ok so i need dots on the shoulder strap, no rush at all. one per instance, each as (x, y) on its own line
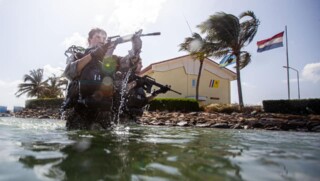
(75, 52)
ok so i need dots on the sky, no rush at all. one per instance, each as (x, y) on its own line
(35, 33)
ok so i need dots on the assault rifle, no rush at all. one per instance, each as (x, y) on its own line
(127, 38)
(147, 82)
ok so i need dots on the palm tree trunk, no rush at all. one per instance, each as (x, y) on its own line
(239, 82)
(198, 80)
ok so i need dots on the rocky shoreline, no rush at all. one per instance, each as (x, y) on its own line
(253, 120)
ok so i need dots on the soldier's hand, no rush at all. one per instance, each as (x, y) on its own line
(164, 89)
(100, 51)
(140, 82)
(136, 42)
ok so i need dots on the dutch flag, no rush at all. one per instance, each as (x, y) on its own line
(271, 43)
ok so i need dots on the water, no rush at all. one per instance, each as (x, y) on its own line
(123, 91)
(32, 149)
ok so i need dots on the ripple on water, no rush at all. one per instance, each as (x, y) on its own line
(163, 168)
(33, 124)
(44, 150)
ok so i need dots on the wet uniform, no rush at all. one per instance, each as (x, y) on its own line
(94, 94)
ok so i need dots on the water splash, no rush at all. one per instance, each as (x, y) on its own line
(122, 130)
(63, 115)
(123, 92)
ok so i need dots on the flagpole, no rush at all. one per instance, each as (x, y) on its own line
(288, 77)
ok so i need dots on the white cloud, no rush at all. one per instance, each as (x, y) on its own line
(311, 72)
(9, 84)
(195, 45)
(132, 15)
(48, 71)
(248, 85)
(99, 18)
(75, 39)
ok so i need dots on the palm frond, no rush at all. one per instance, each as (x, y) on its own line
(245, 59)
(33, 84)
(248, 13)
(192, 44)
(221, 53)
(221, 27)
(249, 28)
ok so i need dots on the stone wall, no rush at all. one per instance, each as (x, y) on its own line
(253, 120)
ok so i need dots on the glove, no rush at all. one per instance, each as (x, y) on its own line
(162, 90)
(136, 42)
(140, 82)
(99, 52)
(134, 61)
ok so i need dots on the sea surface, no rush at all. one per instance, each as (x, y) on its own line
(33, 149)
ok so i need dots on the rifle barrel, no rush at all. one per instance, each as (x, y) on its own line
(175, 91)
(151, 34)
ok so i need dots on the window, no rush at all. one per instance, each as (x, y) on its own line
(194, 82)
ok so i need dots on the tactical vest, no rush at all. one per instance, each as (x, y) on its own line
(93, 88)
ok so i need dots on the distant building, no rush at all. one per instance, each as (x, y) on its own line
(181, 73)
(3, 109)
(17, 109)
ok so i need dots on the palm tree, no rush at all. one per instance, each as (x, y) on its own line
(53, 87)
(33, 84)
(63, 83)
(230, 36)
(199, 49)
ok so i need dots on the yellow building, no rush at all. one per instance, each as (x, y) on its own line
(181, 73)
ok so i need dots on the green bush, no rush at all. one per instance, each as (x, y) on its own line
(301, 106)
(174, 104)
(44, 103)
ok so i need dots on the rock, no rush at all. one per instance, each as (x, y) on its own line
(43, 117)
(314, 117)
(159, 123)
(296, 123)
(255, 124)
(192, 121)
(312, 124)
(193, 114)
(220, 125)
(241, 119)
(274, 128)
(250, 119)
(202, 125)
(201, 120)
(253, 113)
(316, 128)
(271, 122)
(237, 126)
(255, 119)
(182, 123)
(168, 123)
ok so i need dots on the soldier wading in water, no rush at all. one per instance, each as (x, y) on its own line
(96, 79)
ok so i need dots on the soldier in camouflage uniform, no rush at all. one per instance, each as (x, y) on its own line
(95, 80)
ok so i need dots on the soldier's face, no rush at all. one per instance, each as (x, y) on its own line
(97, 39)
